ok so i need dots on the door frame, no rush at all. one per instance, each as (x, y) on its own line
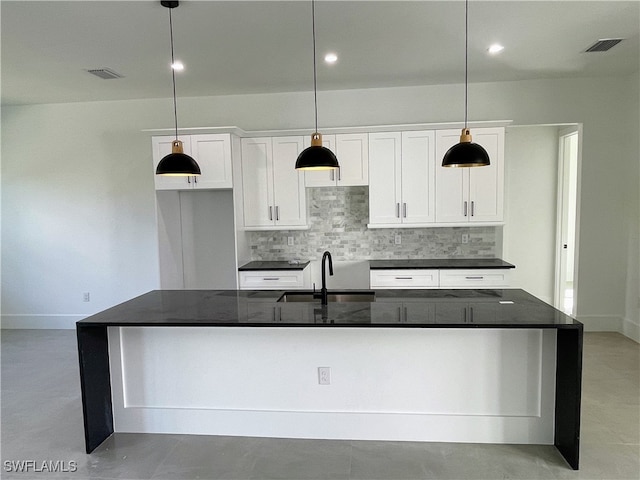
(558, 295)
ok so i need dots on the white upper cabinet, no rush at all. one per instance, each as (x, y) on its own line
(352, 151)
(401, 178)
(475, 194)
(274, 195)
(384, 178)
(213, 154)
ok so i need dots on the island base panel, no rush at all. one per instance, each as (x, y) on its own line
(95, 384)
(568, 394)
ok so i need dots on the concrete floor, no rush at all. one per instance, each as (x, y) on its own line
(42, 422)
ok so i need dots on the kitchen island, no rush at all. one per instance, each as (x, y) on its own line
(496, 366)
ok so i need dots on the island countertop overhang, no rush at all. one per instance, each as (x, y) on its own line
(435, 308)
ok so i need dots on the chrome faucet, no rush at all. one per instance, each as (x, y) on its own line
(323, 291)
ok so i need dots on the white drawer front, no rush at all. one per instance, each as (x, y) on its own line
(474, 278)
(271, 279)
(403, 278)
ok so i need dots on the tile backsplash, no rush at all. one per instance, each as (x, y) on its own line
(338, 218)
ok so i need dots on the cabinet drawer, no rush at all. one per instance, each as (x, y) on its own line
(272, 279)
(404, 278)
(474, 278)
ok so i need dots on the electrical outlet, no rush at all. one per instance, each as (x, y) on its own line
(86, 297)
(465, 238)
(324, 375)
(289, 241)
(398, 239)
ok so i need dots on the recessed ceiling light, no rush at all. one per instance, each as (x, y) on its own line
(177, 66)
(331, 58)
(495, 48)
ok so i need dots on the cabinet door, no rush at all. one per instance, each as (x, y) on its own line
(452, 184)
(486, 184)
(353, 156)
(161, 148)
(322, 178)
(213, 154)
(474, 278)
(384, 178)
(257, 182)
(290, 201)
(418, 177)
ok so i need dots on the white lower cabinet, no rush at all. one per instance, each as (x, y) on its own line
(464, 312)
(474, 278)
(404, 278)
(274, 195)
(212, 152)
(275, 279)
(442, 278)
(402, 312)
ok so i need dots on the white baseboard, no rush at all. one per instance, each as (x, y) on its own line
(631, 330)
(43, 321)
(601, 323)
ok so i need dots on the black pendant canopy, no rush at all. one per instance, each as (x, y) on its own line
(177, 163)
(466, 153)
(316, 157)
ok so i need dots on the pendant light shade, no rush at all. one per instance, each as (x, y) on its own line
(316, 157)
(177, 163)
(466, 153)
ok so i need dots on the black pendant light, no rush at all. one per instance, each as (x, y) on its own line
(316, 157)
(177, 163)
(466, 153)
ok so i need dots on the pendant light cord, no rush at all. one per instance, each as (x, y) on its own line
(173, 76)
(315, 80)
(466, 60)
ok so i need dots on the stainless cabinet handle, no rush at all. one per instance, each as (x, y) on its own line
(333, 176)
(404, 278)
(188, 179)
(277, 213)
(471, 318)
(473, 208)
(404, 210)
(405, 314)
(474, 278)
(399, 314)
(270, 213)
(339, 174)
(195, 179)
(270, 278)
(465, 208)
(397, 210)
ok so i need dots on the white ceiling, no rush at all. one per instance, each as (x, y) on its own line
(239, 47)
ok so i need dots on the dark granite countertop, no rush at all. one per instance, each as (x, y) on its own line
(440, 263)
(273, 265)
(437, 308)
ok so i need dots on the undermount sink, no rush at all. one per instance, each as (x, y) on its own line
(332, 297)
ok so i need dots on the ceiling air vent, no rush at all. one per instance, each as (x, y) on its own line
(604, 44)
(105, 73)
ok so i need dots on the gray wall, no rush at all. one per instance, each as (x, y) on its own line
(78, 205)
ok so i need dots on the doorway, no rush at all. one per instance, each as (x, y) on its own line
(567, 219)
